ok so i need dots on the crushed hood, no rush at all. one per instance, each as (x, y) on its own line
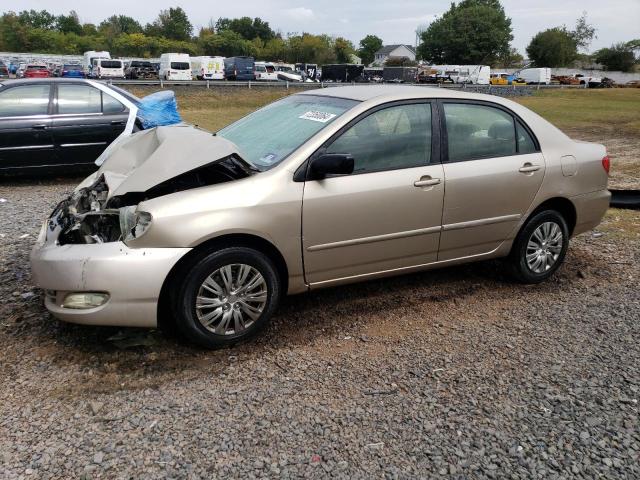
(151, 157)
(146, 165)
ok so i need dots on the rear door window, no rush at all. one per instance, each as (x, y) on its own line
(24, 100)
(478, 131)
(79, 99)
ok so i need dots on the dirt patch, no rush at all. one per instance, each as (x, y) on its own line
(624, 152)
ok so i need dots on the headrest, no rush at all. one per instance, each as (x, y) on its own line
(502, 130)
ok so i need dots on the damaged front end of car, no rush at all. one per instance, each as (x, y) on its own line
(106, 207)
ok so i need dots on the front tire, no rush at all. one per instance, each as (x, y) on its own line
(225, 296)
(540, 247)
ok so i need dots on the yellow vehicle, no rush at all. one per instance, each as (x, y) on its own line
(499, 79)
(503, 78)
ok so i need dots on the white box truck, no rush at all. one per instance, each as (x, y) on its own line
(89, 57)
(538, 76)
(207, 68)
(175, 66)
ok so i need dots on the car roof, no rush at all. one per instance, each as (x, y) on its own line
(31, 81)
(389, 93)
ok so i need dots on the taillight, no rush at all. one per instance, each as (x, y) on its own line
(606, 164)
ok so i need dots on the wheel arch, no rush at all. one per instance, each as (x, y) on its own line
(562, 205)
(255, 242)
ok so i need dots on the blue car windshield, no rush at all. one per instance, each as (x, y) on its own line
(269, 135)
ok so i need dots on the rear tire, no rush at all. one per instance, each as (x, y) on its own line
(539, 248)
(225, 296)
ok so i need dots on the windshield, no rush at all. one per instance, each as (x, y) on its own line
(111, 64)
(180, 66)
(269, 135)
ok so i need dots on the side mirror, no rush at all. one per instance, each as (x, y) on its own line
(330, 164)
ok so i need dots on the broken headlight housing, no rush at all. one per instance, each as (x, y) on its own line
(133, 224)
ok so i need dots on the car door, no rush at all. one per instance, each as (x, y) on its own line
(25, 134)
(493, 169)
(85, 122)
(386, 215)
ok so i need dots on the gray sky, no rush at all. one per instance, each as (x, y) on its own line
(393, 21)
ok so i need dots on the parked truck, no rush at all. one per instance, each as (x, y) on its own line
(89, 58)
(342, 72)
(239, 68)
(207, 68)
(175, 66)
(536, 76)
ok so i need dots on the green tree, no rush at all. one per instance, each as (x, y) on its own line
(510, 59)
(472, 32)
(42, 19)
(12, 32)
(117, 24)
(343, 49)
(400, 62)
(555, 47)
(617, 57)
(173, 24)
(369, 45)
(583, 33)
(89, 29)
(227, 43)
(246, 27)
(69, 23)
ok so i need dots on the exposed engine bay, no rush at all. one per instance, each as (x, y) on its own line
(90, 215)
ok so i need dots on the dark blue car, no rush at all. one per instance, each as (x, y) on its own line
(72, 71)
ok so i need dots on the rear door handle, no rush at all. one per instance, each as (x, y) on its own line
(529, 168)
(426, 182)
(117, 122)
(40, 126)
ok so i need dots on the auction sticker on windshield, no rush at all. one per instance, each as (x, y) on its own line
(322, 117)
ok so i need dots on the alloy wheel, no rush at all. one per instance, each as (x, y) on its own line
(544, 247)
(231, 299)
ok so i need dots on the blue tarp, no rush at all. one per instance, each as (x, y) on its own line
(159, 109)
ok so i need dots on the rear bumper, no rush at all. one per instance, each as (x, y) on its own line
(590, 208)
(133, 279)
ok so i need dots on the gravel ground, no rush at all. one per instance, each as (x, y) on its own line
(451, 373)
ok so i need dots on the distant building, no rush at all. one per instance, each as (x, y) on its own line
(394, 51)
(355, 59)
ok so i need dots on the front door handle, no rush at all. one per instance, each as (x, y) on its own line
(39, 126)
(426, 181)
(529, 168)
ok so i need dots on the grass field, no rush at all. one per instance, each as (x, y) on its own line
(607, 116)
(616, 110)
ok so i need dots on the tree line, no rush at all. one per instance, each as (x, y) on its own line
(41, 32)
(479, 32)
(470, 32)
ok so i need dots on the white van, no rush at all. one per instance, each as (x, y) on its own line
(207, 68)
(266, 71)
(175, 66)
(536, 75)
(89, 57)
(107, 68)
